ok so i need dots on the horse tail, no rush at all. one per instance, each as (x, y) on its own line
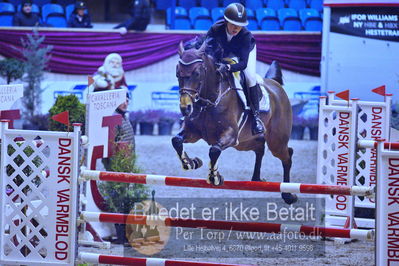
(274, 72)
(279, 124)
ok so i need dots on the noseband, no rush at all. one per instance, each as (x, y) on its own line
(194, 94)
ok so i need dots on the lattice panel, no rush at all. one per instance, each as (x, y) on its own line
(31, 216)
(330, 154)
(373, 123)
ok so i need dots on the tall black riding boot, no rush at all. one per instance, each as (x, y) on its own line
(257, 126)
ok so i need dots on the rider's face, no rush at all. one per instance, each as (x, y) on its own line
(233, 29)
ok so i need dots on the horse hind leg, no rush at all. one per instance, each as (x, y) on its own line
(258, 163)
(187, 162)
(288, 198)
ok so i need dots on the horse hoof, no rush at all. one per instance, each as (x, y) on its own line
(215, 179)
(289, 198)
(189, 164)
(197, 163)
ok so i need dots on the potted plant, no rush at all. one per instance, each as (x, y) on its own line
(298, 127)
(313, 124)
(120, 197)
(11, 69)
(166, 121)
(71, 103)
(310, 114)
(148, 120)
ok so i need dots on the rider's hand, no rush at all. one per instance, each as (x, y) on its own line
(224, 68)
(123, 30)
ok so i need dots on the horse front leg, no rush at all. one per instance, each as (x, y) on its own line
(227, 139)
(187, 162)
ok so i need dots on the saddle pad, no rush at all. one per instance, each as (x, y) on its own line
(264, 101)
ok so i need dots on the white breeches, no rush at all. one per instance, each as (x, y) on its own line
(250, 71)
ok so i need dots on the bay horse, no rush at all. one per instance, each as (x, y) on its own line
(213, 111)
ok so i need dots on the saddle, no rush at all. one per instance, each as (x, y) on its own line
(239, 84)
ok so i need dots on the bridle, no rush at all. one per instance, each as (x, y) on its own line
(195, 95)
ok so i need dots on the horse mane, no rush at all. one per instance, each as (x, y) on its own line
(213, 48)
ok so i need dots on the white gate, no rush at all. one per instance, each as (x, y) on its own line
(367, 121)
(39, 206)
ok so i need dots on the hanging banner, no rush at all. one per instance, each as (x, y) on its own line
(380, 23)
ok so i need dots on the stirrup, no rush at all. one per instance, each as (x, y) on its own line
(257, 127)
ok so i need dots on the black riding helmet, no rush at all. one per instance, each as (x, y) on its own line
(80, 5)
(236, 14)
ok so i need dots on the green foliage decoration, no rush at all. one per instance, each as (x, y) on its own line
(120, 197)
(36, 58)
(11, 69)
(71, 103)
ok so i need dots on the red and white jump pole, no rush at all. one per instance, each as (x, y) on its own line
(371, 144)
(156, 220)
(234, 185)
(117, 260)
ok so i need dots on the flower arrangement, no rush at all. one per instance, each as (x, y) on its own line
(135, 116)
(169, 117)
(151, 116)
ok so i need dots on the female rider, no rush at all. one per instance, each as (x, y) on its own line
(232, 35)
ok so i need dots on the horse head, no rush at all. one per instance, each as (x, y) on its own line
(191, 71)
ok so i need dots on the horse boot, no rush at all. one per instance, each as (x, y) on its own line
(257, 125)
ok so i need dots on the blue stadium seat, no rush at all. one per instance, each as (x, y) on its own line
(7, 11)
(311, 19)
(254, 4)
(65, 3)
(53, 10)
(313, 24)
(250, 13)
(316, 4)
(306, 13)
(261, 13)
(35, 8)
(202, 23)
(270, 24)
(7, 8)
(196, 12)
(41, 3)
(180, 13)
(297, 4)
(187, 4)
(182, 24)
(13, 2)
(252, 21)
(228, 2)
(267, 18)
(57, 21)
(217, 13)
(252, 24)
(289, 19)
(6, 20)
(209, 3)
(164, 4)
(275, 4)
(69, 9)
